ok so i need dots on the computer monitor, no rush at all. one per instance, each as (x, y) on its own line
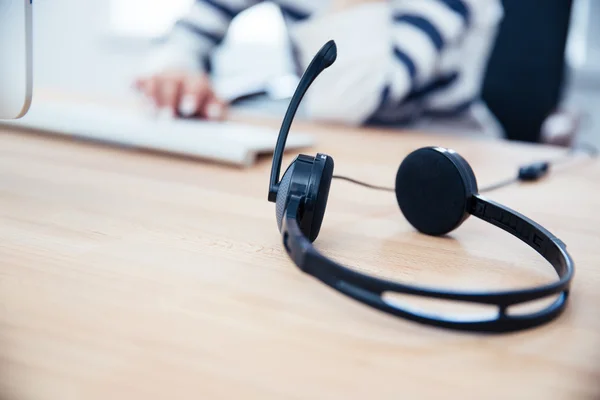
(16, 79)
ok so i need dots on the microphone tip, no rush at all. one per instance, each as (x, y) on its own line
(329, 53)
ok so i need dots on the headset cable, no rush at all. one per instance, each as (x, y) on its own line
(527, 173)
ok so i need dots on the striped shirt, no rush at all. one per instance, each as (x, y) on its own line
(398, 60)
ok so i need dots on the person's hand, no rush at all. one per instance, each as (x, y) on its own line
(182, 94)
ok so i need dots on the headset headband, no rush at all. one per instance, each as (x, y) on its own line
(369, 290)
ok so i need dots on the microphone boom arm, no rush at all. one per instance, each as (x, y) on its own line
(322, 60)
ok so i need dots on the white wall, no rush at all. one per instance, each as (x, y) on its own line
(71, 49)
(74, 50)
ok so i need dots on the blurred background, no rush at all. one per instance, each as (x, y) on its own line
(547, 56)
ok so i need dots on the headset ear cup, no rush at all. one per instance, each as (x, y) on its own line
(283, 195)
(466, 171)
(321, 197)
(433, 189)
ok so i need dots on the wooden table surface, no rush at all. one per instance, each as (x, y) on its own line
(127, 275)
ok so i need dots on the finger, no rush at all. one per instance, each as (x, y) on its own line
(188, 106)
(191, 98)
(168, 96)
(194, 95)
(215, 108)
(150, 90)
(144, 92)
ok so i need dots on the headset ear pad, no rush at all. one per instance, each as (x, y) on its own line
(321, 196)
(282, 195)
(433, 188)
(318, 185)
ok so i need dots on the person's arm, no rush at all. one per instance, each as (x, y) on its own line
(175, 77)
(390, 46)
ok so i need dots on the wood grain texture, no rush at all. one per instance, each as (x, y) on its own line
(128, 275)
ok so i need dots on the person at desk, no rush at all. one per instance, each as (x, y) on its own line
(398, 60)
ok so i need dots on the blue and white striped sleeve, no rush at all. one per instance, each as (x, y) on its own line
(421, 30)
(195, 34)
(391, 47)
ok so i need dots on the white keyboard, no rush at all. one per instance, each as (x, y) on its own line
(232, 143)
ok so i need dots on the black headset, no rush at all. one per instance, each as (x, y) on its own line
(436, 190)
